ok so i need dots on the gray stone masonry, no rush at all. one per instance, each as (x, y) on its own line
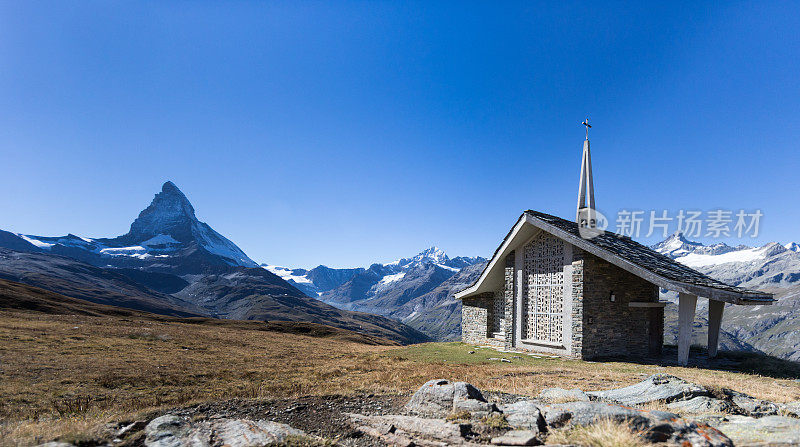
(509, 301)
(475, 314)
(614, 328)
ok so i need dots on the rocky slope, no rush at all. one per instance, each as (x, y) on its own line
(172, 263)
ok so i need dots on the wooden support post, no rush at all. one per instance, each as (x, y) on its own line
(686, 306)
(715, 309)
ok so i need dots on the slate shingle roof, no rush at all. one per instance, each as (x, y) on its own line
(632, 252)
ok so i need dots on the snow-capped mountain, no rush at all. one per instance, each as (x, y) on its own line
(384, 288)
(166, 233)
(768, 266)
(793, 246)
(380, 277)
(171, 262)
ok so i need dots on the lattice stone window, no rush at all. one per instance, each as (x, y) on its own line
(498, 314)
(544, 294)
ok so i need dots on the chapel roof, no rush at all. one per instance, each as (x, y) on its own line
(635, 258)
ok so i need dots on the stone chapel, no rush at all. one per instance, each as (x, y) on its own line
(569, 288)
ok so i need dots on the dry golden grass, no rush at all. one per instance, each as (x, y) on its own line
(65, 375)
(603, 433)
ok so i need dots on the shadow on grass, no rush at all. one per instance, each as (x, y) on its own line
(732, 361)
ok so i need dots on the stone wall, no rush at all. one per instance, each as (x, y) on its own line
(612, 329)
(576, 319)
(508, 296)
(475, 314)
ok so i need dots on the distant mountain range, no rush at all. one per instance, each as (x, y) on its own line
(772, 267)
(401, 289)
(171, 263)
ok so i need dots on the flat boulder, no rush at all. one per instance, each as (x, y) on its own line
(559, 395)
(176, 431)
(438, 398)
(586, 413)
(517, 437)
(658, 387)
(768, 430)
(412, 430)
(246, 433)
(702, 405)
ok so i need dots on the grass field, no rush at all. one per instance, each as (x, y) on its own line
(62, 375)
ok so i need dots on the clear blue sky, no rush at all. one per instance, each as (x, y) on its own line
(344, 132)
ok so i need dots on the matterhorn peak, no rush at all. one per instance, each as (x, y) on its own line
(169, 213)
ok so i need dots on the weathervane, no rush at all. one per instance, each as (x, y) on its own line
(586, 123)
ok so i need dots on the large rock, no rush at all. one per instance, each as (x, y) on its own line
(412, 430)
(702, 405)
(246, 433)
(175, 431)
(524, 415)
(769, 430)
(586, 413)
(170, 431)
(439, 397)
(658, 387)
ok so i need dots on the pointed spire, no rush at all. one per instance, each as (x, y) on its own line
(585, 215)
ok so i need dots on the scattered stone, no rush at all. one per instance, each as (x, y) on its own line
(56, 444)
(517, 437)
(471, 352)
(505, 360)
(175, 431)
(702, 404)
(438, 398)
(768, 430)
(559, 395)
(752, 406)
(791, 409)
(524, 415)
(494, 358)
(658, 387)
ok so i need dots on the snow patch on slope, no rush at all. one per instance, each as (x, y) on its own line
(698, 260)
(36, 242)
(160, 239)
(392, 278)
(287, 274)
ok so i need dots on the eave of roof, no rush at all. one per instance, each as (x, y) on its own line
(630, 256)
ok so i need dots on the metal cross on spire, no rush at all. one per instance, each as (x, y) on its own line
(588, 126)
